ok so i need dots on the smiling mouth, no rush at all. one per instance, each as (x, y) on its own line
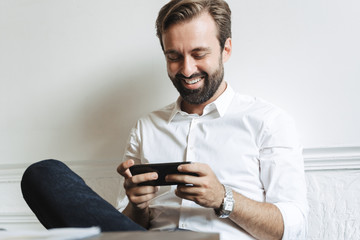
(193, 81)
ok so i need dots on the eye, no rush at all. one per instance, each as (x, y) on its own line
(200, 55)
(173, 57)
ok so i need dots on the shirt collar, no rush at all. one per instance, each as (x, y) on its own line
(221, 104)
(176, 109)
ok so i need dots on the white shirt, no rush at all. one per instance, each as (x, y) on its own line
(251, 146)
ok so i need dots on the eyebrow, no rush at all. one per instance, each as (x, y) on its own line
(201, 49)
(198, 49)
(171, 51)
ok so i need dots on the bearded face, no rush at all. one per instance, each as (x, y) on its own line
(195, 59)
(203, 93)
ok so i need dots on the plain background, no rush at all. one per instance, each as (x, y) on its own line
(76, 75)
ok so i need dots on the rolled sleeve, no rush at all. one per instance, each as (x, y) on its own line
(282, 175)
(295, 220)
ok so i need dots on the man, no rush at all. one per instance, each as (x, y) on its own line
(250, 181)
(244, 143)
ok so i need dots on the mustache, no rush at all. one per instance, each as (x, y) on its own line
(195, 75)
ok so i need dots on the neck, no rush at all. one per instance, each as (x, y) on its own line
(199, 108)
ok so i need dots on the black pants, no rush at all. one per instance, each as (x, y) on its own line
(60, 198)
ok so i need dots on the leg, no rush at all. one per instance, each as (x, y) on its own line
(60, 198)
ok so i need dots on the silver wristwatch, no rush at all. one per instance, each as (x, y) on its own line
(227, 205)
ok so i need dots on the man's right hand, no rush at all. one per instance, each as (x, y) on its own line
(139, 196)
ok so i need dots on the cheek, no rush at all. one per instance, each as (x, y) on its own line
(208, 66)
(172, 69)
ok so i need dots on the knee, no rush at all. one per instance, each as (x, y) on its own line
(44, 166)
(48, 163)
(40, 172)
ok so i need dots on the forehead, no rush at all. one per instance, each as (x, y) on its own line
(200, 31)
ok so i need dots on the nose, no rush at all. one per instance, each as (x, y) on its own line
(188, 66)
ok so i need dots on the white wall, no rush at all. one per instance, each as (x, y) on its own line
(75, 76)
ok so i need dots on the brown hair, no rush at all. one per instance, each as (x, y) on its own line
(177, 11)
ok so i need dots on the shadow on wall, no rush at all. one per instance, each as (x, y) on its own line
(124, 95)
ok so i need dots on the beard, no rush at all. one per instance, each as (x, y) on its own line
(204, 93)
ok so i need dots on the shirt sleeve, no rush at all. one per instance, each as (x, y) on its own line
(132, 151)
(282, 173)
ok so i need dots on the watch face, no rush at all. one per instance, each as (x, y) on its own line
(228, 206)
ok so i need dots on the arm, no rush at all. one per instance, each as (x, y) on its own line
(139, 196)
(261, 220)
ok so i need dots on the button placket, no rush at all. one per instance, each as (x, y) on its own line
(190, 154)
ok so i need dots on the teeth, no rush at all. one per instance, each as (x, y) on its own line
(193, 81)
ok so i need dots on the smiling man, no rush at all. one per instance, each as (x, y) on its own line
(245, 151)
(246, 179)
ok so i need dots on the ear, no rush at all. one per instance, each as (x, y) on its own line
(227, 50)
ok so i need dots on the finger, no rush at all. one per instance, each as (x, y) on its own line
(123, 168)
(140, 178)
(132, 182)
(183, 178)
(141, 195)
(189, 190)
(128, 183)
(184, 195)
(197, 195)
(198, 168)
(145, 177)
(142, 190)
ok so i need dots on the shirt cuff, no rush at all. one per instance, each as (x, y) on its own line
(295, 221)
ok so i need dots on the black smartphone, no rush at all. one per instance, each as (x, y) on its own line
(162, 169)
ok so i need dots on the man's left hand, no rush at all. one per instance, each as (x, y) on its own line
(205, 189)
